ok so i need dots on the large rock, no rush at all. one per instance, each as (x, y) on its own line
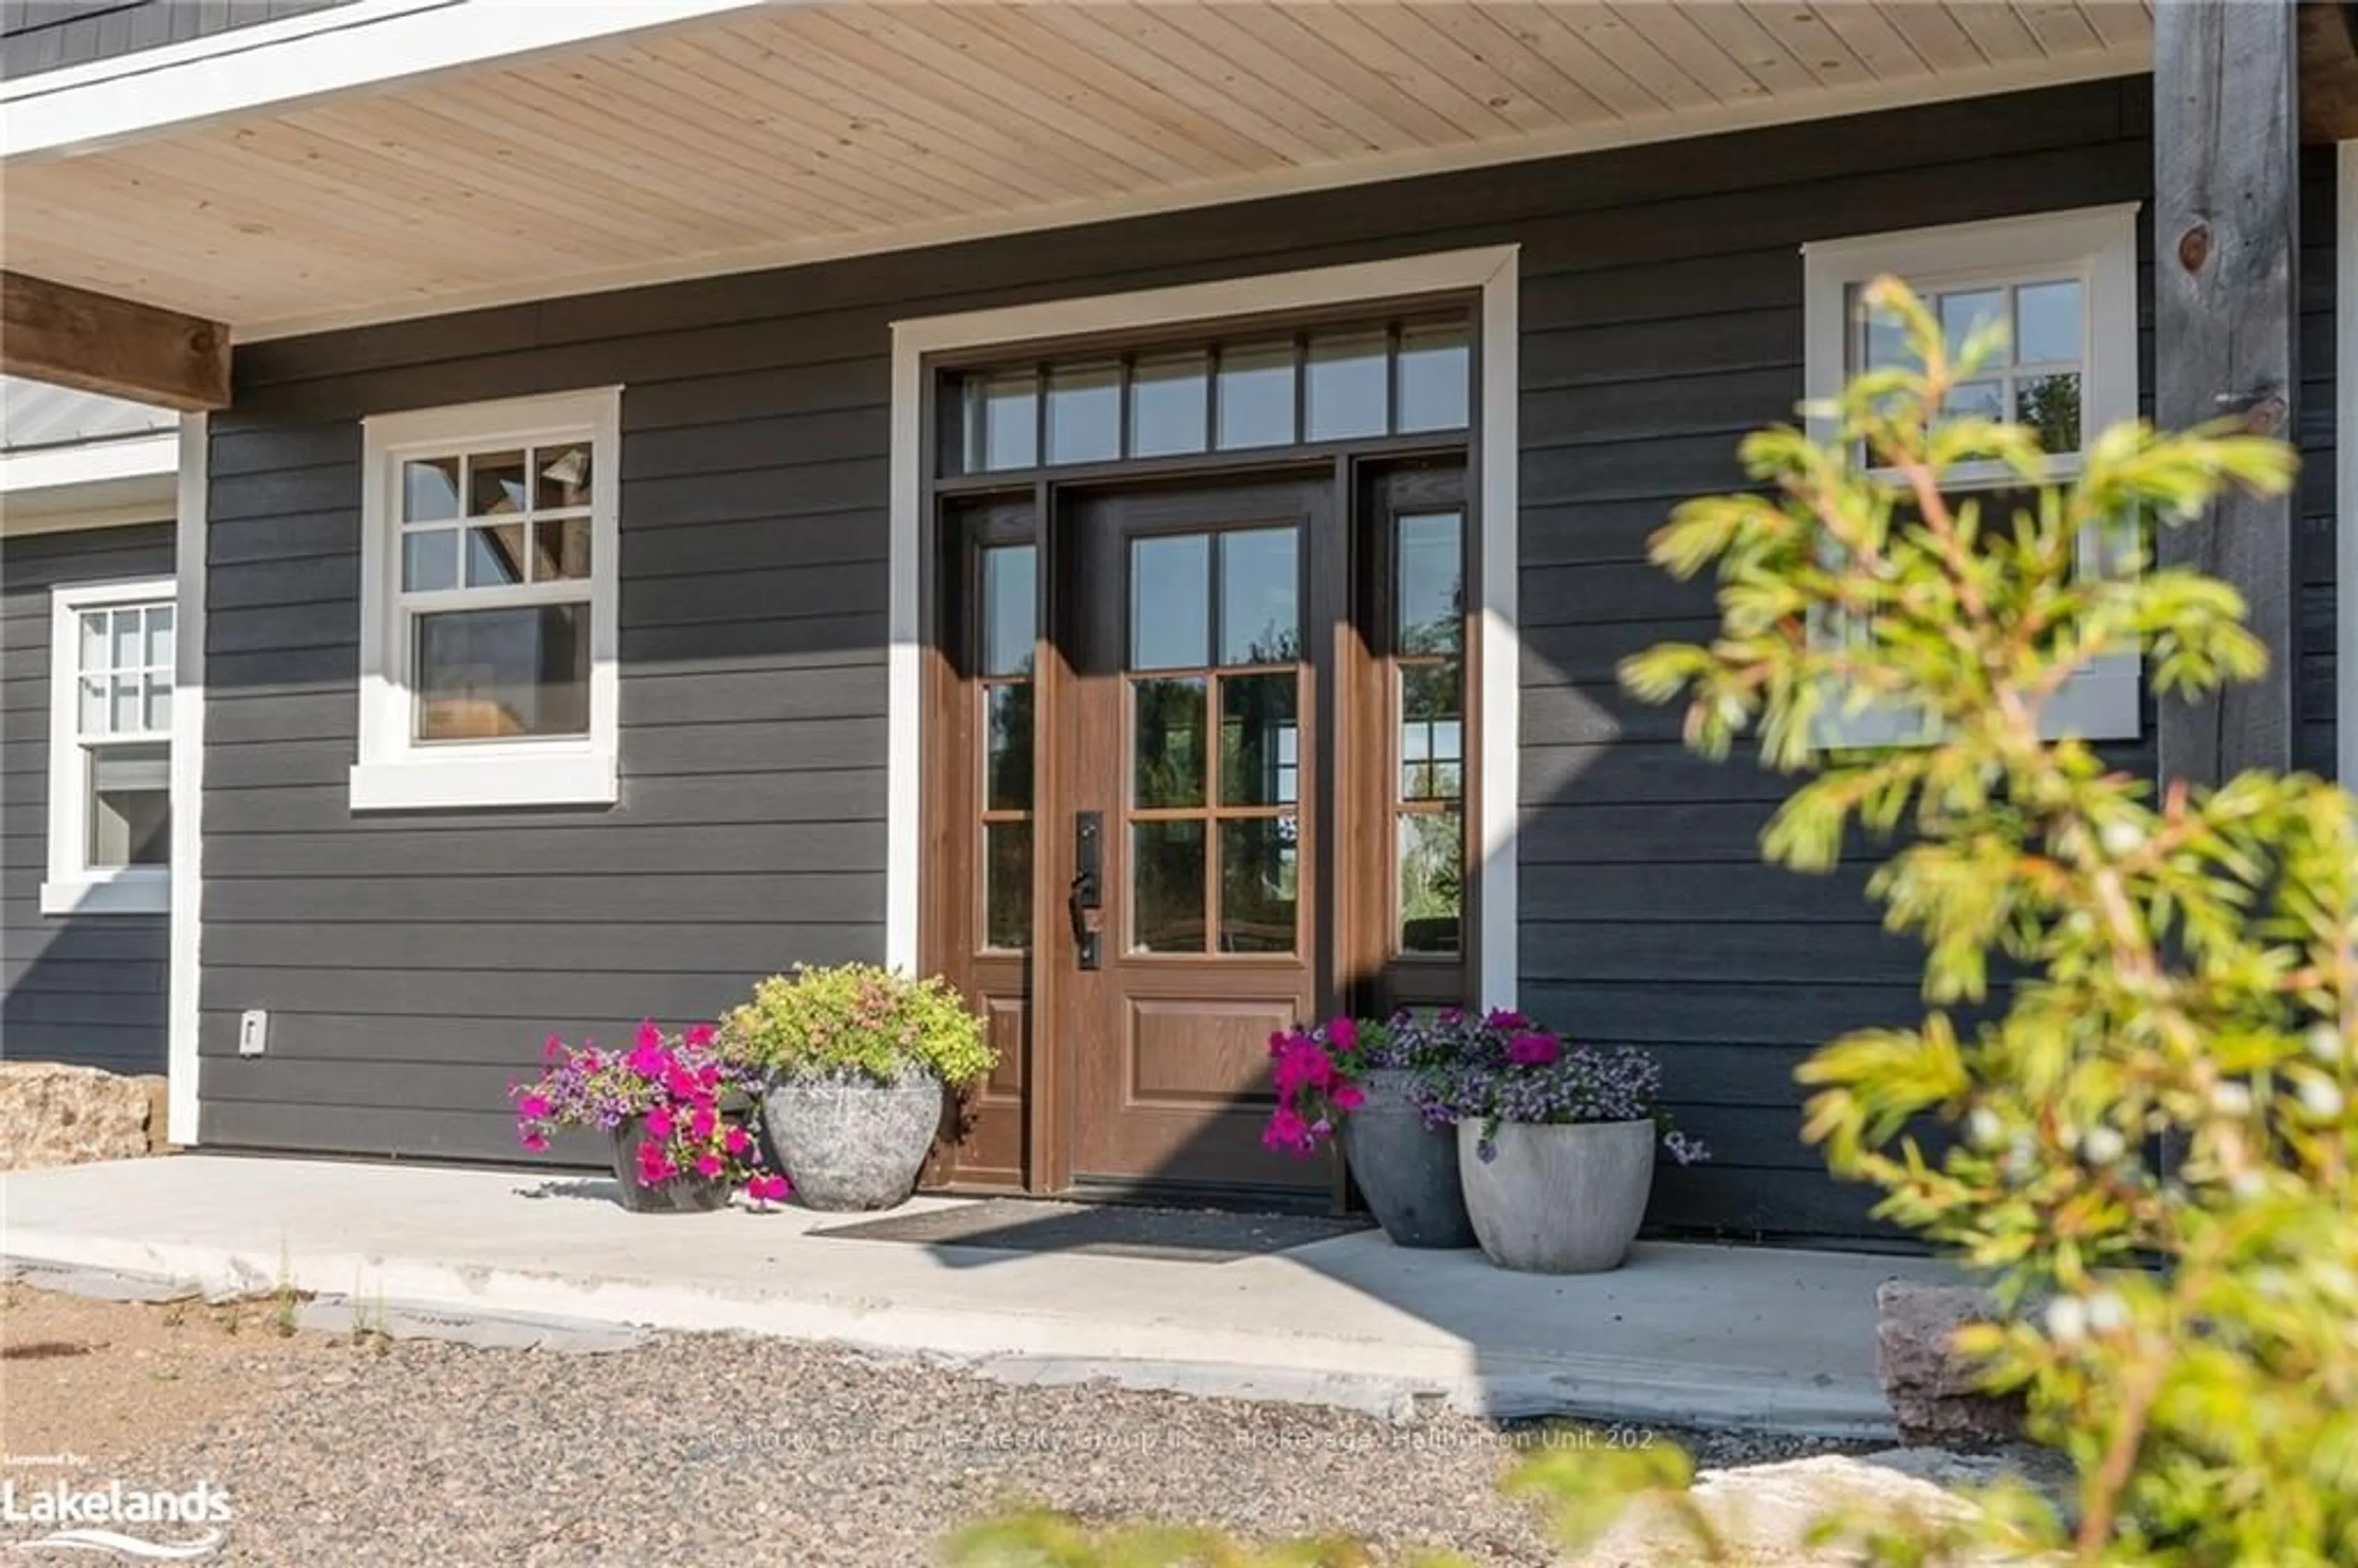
(1935, 1393)
(1765, 1513)
(52, 1114)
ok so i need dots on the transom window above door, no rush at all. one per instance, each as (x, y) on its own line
(1351, 381)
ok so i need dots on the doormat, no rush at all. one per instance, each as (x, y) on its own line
(1115, 1230)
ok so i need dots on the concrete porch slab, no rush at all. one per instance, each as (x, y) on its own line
(1683, 1334)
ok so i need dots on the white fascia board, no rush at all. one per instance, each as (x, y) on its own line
(90, 462)
(273, 65)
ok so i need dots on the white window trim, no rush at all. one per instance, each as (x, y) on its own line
(394, 772)
(71, 886)
(2096, 245)
(1496, 272)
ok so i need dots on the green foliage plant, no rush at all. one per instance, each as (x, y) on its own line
(2148, 1137)
(857, 1022)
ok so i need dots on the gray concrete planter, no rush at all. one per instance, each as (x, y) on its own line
(683, 1195)
(1558, 1200)
(1406, 1171)
(853, 1144)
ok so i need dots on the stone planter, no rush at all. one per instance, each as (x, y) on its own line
(1558, 1200)
(681, 1194)
(1406, 1171)
(852, 1144)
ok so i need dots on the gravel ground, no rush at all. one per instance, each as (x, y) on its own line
(701, 1449)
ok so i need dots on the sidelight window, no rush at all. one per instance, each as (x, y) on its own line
(1006, 693)
(1428, 700)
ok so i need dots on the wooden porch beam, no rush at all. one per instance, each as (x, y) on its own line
(2329, 70)
(55, 332)
(2226, 298)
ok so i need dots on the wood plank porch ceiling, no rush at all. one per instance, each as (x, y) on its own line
(767, 136)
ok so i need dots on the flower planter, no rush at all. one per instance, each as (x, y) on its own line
(1406, 1171)
(1558, 1199)
(683, 1195)
(853, 1144)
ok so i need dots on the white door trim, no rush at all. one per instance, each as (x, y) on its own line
(1495, 271)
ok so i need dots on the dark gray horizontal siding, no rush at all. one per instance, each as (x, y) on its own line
(415, 961)
(83, 989)
(50, 34)
(2314, 702)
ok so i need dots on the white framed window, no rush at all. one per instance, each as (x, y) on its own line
(488, 595)
(113, 653)
(2064, 286)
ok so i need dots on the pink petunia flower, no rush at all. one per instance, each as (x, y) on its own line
(533, 1139)
(658, 1123)
(552, 1048)
(1347, 1096)
(1343, 1033)
(1286, 1132)
(650, 1038)
(533, 1108)
(1506, 1017)
(736, 1140)
(1278, 1038)
(700, 1122)
(698, 1037)
(1533, 1049)
(709, 1166)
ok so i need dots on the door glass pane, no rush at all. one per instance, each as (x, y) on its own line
(1010, 613)
(1260, 761)
(496, 555)
(1169, 402)
(429, 489)
(1345, 389)
(1261, 615)
(1431, 569)
(1007, 884)
(429, 559)
(1431, 864)
(1007, 747)
(1432, 749)
(2047, 324)
(130, 806)
(485, 674)
(1256, 396)
(496, 484)
(1436, 367)
(1167, 748)
(1166, 895)
(1001, 421)
(1170, 602)
(1259, 872)
(126, 640)
(1085, 413)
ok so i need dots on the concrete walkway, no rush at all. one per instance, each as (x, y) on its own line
(1685, 1335)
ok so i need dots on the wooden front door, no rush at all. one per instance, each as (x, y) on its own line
(1185, 816)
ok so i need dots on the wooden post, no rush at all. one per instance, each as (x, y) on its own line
(55, 332)
(2226, 300)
